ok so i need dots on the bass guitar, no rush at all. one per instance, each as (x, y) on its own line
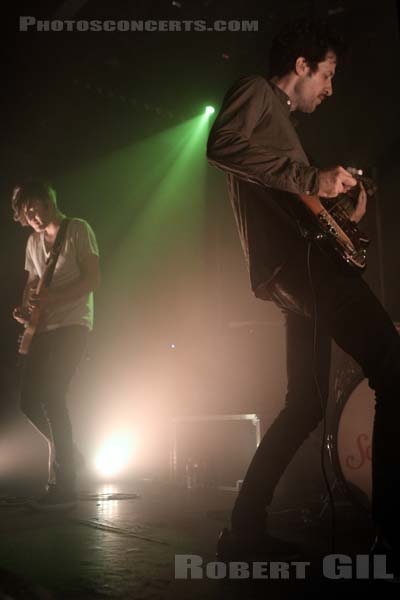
(329, 223)
(45, 280)
(25, 339)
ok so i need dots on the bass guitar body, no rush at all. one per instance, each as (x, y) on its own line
(331, 227)
(30, 330)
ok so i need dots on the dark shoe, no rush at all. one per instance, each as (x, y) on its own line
(233, 547)
(78, 465)
(56, 498)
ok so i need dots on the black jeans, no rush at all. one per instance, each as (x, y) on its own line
(349, 312)
(47, 372)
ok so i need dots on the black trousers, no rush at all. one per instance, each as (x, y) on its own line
(346, 310)
(47, 372)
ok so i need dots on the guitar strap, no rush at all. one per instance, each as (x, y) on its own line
(55, 252)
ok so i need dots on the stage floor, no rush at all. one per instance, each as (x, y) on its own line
(121, 542)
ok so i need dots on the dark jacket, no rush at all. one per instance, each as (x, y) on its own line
(254, 141)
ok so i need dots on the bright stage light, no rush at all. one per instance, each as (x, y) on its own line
(209, 110)
(114, 455)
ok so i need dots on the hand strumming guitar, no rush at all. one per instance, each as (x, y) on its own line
(44, 300)
(333, 182)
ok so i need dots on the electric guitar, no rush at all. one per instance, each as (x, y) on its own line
(330, 225)
(35, 314)
(25, 339)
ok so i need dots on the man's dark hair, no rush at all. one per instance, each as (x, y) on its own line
(27, 192)
(303, 37)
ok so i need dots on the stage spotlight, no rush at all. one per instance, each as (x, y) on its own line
(209, 110)
(114, 455)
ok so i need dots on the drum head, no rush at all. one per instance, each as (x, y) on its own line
(354, 443)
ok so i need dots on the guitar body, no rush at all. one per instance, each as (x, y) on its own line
(30, 330)
(332, 229)
(34, 317)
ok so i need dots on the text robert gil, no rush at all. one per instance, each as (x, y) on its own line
(334, 566)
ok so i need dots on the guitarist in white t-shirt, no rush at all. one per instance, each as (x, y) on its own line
(57, 314)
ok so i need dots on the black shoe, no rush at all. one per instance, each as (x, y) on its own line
(56, 498)
(233, 547)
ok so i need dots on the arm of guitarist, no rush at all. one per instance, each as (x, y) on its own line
(231, 147)
(88, 281)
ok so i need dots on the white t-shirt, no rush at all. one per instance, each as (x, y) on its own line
(80, 242)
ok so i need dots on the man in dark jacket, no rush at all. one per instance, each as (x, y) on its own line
(254, 141)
